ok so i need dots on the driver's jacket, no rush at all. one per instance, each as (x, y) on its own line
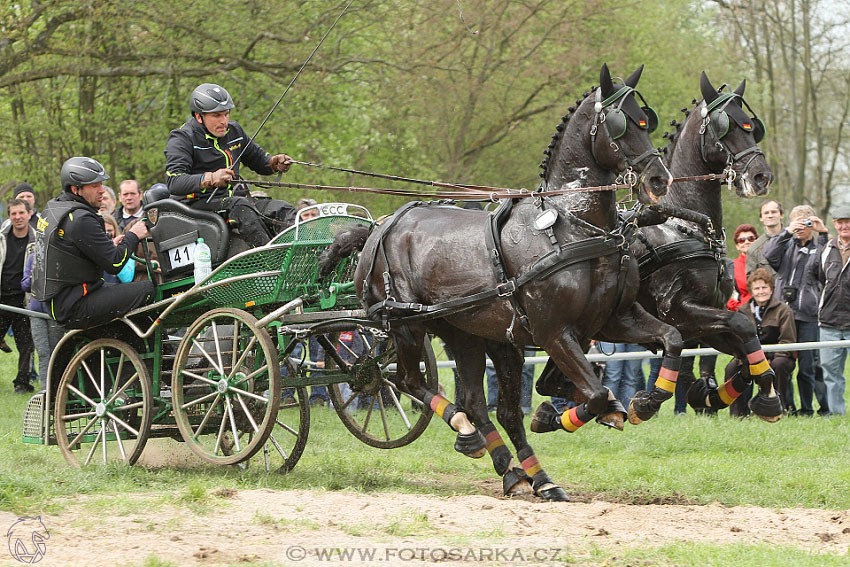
(82, 234)
(191, 151)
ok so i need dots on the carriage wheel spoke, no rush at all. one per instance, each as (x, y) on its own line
(88, 400)
(124, 424)
(383, 411)
(94, 446)
(235, 343)
(75, 416)
(247, 413)
(201, 378)
(120, 442)
(103, 388)
(251, 395)
(396, 403)
(238, 363)
(85, 430)
(206, 416)
(286, 427)
(229, 405)
(134, 405)
(120, 390)
(200, 400)
(206, 355)
(254, 374)
(91, 377)
(346, 347)
(369, 413)
(221, 425)
(278, 447)
(217, 346)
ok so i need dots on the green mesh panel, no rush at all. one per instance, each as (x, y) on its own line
(296, 266)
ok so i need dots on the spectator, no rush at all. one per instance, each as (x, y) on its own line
(794, 254)
(527, 385)
(745, 235)
(771, 215)
(834, 312)
(623, 377)
(25, 192)
(46, 333)
(131, 203)
(17, 236)
(107, 204)
(775, 324)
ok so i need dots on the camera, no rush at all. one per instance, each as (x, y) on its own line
(789, 293)
(807, 222)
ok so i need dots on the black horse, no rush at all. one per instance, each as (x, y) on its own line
(682, 262)
(419, 268)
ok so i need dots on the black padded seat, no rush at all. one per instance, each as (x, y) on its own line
(173, 226)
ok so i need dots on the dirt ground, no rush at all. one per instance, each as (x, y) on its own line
(305, 527)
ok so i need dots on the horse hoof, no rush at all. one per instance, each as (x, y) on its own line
(546, 418)
(472, 445)
(515, 482)
(553, 493)
(768, 409)
(638, 412)
(615, 416)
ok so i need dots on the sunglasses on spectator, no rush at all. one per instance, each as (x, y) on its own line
(746, 239)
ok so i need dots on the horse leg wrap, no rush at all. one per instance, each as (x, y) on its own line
(763, 405)
(442, 407)
(701, 395)
(515, 481)
(644, 405)
(499, 452)
(543, 485)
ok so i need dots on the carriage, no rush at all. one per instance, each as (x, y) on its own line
(222, 363)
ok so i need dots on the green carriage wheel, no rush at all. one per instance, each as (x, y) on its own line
(104, 405)
(226, 386)
(385, 416)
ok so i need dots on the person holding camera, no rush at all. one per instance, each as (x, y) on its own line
(794, 255)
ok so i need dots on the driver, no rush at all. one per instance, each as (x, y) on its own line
(73, 250)
(199, 165)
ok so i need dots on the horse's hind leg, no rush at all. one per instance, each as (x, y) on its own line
(636, 326)
(508, 361)
(469, 357)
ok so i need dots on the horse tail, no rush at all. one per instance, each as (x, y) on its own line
(345, 243)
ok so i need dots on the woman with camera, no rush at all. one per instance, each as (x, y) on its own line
(794, 255)
(775, 323)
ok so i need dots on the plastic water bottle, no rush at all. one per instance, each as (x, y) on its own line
(203, 261)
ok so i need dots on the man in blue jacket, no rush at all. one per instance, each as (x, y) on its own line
(201, 165)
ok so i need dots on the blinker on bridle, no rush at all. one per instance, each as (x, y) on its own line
(615, 122)
(716, 121)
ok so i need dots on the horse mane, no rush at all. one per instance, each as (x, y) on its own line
(674, 137)
(559, 133)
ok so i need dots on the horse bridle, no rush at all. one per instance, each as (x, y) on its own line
(719, 104)
(628, 175)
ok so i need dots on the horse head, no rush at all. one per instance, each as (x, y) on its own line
(729, 138)
(608, 131)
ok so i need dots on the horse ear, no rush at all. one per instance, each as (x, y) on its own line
(605, 84)
(633, 79)
(709, 93)
(740, 90)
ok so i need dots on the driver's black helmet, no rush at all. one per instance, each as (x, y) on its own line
(210, 97)
(79, 171)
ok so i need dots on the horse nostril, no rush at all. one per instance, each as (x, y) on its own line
(658, 184)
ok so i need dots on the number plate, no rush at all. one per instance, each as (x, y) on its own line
(181, 256)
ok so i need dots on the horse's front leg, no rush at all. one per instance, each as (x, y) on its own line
(635, 326)
(733, 333)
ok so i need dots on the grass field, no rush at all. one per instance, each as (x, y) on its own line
(669, 459)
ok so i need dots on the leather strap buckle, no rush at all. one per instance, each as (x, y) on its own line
(507, 288)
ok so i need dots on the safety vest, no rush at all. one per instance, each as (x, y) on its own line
(58, 265)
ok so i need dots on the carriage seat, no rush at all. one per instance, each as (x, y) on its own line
(174, 226)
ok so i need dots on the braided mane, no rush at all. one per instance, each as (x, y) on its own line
(559, 133)
(674, 137)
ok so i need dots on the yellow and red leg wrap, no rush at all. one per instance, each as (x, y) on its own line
(667, 379)
(499, 452)
(574, 418)
(441, 406)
